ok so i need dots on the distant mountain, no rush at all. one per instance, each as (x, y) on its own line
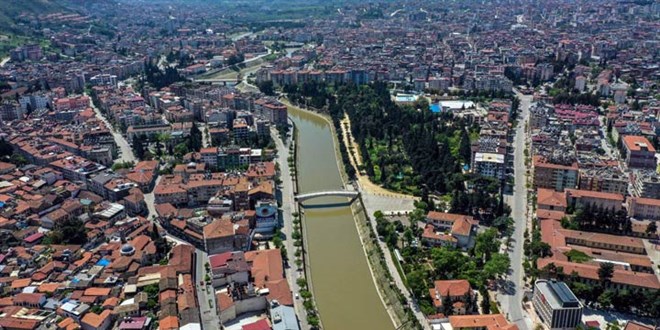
(12, 11)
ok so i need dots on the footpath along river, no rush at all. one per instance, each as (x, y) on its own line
(343, 287)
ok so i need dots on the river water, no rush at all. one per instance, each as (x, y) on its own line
(343, 287)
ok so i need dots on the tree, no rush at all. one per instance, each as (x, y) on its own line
(408, 236)
(486, 244)
(138, 146)
(313, 321)
(5, 148)
(485, 302)
(651, 228)
(235, 59)
(447, 305)
(180, 149)
(296, 235)
(417, 282)
(306, 295)
(605, 272)
(606, 298)
(277, 241)
(498, 265)
(159, 78)
(69, 231)
(266, 87)
(18, 160)
(504, 224)
(195, 140)
(613, 326)
(465, 149)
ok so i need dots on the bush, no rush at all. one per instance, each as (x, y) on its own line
(493, 308)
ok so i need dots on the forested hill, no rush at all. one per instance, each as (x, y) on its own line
(13, 12)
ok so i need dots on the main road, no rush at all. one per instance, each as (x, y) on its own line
(511, 299)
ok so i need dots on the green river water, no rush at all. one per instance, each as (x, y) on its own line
(343, 287)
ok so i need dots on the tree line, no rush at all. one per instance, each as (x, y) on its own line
(591, 217)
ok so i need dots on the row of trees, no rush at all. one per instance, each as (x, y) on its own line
(310, 93)
(591, 217)
(576, 98)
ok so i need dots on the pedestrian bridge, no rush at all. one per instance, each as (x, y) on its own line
(339, 193)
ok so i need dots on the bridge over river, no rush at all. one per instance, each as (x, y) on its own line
(340, 193)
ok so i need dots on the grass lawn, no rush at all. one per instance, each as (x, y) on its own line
(577, 256)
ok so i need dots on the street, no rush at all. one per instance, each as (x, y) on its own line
(288, 203)
(205, 294)
(126, 155)
(125, 150)
(511, 300)
(149, 199)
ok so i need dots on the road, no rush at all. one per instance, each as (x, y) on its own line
(125, 150)
(288, 204)
(205, 294)
(150, 200)
(226, 73)
(240, 36)
(511, 300)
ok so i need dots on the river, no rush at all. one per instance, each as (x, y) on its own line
(343, 287)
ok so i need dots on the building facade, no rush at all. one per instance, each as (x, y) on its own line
(556, 305)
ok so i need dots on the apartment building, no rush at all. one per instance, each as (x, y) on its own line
(646, 184)
(554, 176)
(604, 179)
(639, 152)
(644, 208)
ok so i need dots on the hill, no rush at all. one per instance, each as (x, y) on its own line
(13, 11)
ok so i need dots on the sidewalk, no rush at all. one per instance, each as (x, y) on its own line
(287, 225)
